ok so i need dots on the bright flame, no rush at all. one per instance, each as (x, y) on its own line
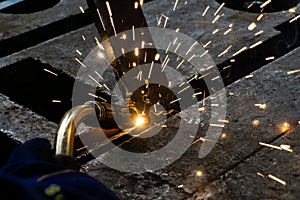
(199, 173)
(139, 121)
(284, 127)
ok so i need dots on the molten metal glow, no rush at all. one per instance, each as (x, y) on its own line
(284, 127)
(139, 121)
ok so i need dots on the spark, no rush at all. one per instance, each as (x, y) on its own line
(294, 71)
(97, 83)
(198, 93)
(139, 76)
(227, 31)
(159, 21)
(277, 179)
(217, 125)
(83, 38)
(80, 62)
(177, 47)
(193, 56)
(259, 17)
(255, 122)
(108, 8)
(227, 67)
(219, 9)
(168, 47)
(223, 136)
(183, 89)
(223, 120)
(252, 26)
(270, 58)
(47, 70)
(265, 4)
(215, 19)
(191, 48)
(249, 76)
(101, 19)
(294, 19)
(78, 52)
(281, 147)
(261, 106)
(256, 44)
(177, 30)
(123, 51)
(270, 145)
(133, 33)
(102, 79)
(98, 43)
(97, 97)
(133, 64)
(204, 46)
(225, 51)
(292, 10)
(181, 84)
(141, 2)
(165, 64)
(136, 52)
(99, 75)
(136, 5)
(215, 78)
(157, 56)
(150, 71)
(286, 147)
(202, 109)
(260, 174)
(215, 105)
(56, 101)
(180, 64)
(166, 21)
(175, 100)
(215, 31)
(258, 33)
(110, 16)
(175, 40)
(284, 127)
(205, 52)
(175, 5)
(199, 173)
(180, 186)
(205, 11)
(195, 77)
(81, 9)
(145, 57)
(250, 6)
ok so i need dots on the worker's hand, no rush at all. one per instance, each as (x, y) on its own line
(33, 172)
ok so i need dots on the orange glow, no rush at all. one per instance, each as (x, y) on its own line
(199, 173)
(255, 122)
(284, 127)
(139, 121)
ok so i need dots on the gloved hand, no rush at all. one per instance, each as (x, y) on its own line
(33, 172)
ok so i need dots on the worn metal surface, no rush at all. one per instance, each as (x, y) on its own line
(230, 170)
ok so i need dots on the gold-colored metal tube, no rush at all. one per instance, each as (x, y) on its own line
(67, 128)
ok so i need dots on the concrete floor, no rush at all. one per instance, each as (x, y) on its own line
(239, 166)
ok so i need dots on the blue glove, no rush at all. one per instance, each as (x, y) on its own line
(33, 173)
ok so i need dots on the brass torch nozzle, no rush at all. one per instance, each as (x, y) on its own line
(105, 114)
